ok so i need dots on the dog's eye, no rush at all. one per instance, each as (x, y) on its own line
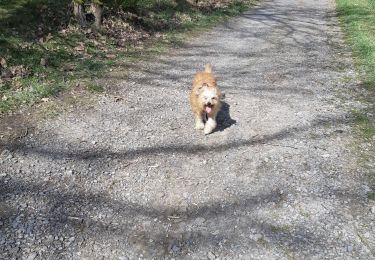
(205, 97)
(214, 98)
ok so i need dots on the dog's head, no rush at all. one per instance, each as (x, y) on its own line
(209, 97)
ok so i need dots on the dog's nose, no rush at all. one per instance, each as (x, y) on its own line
(208, 103)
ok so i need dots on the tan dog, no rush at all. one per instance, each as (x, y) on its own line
(205, 100)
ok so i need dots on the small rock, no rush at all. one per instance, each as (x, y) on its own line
(5, 153)
(199, 221)
(175, 248)
(257, 237)
(31, 256)
(93, 142)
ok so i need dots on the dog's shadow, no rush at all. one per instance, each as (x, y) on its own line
(223, 118)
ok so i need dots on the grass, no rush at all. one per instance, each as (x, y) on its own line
(358, 21)
(36, 30)
(280, 229)
(95, 88)
(363, 125)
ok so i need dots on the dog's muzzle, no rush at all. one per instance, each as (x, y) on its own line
(208, 107)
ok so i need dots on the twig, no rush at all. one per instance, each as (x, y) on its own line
(282, 146)
(174, 217)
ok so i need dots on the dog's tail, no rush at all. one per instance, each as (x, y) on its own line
(208, 68)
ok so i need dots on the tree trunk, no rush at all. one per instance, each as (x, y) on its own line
(97, 10)
(79, 13)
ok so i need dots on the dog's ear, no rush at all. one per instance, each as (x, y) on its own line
(199, 89)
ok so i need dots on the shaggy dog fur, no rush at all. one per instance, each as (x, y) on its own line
(205, 100)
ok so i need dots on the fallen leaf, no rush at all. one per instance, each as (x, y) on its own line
(6, 74)
(45, 99)
(3, 63)
(49, 37)
(43, 61)
(80, 47)
(25, 45)
(69, 66)
(95, 42)
(17, 84)
(110, 56)
(63, 32)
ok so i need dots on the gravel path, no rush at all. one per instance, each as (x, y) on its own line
(132, 179)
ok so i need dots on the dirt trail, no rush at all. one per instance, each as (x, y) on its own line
(133, 179)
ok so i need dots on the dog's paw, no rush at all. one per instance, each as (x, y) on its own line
(210, 126)
(199, 125)
(208, 130)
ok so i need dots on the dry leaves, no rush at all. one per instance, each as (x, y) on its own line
(80, 47)
(110, 56)
(69, 66)
(19, 71)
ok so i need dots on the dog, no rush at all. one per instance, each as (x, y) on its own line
(205, 99)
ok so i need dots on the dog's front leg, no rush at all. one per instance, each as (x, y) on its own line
(210, 124)
(199, 124)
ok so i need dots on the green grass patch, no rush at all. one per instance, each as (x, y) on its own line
(363, 125)
(357, 18)
(280, 229)
(364, 144)
(95, 88)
